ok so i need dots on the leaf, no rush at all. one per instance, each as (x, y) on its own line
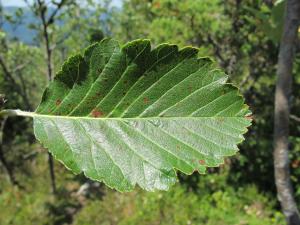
(131, 115)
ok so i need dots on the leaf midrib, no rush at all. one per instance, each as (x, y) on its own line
(18, 112)
(133, 118)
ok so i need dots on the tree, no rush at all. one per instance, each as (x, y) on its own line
(41, 10)
(20, 88)
(282, 112)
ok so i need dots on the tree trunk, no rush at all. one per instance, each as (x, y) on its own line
(49, 77)
(282, 112)
(52, 174)
(45, 24)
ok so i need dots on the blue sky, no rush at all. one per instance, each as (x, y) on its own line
(21, 2)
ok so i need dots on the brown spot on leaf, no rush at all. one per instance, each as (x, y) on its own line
(249, 117)
(98, 94)
(58, 102)
(146, 100)
(202, 161)
(124, 93)
(125, 82)
(97, 113)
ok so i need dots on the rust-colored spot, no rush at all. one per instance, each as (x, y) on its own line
(156, 5)
(202, 161)
(177, 147)
(58, 102)
(146, 100)
(249, 117)
(98, 94)
(125, 81)
(124, 93)
(97, 113)
(190, 88)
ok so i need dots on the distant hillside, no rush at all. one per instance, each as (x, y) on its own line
(20, 30)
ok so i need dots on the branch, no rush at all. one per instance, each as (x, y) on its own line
(42, 10)
(58, 7)
(296, 118)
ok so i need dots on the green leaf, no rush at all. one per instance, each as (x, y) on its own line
(133, 115)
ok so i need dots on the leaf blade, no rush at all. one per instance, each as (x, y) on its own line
(174, 112)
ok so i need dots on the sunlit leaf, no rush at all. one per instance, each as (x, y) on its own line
(133, 115)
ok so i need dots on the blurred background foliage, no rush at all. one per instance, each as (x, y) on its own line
(243, 39)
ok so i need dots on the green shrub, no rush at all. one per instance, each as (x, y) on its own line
(178, 206)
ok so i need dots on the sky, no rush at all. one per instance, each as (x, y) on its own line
(21, 2)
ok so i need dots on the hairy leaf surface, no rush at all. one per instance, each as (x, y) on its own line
(135, 114)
